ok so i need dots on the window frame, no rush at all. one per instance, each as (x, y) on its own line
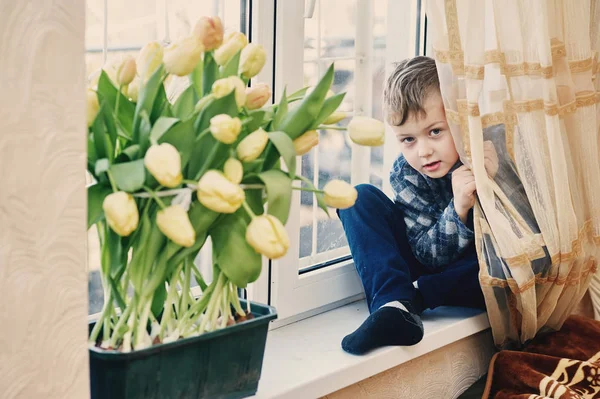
(297, 295)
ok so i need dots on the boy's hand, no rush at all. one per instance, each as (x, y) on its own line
(490, 158)
(463, 187)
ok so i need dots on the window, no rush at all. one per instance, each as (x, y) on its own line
(362, 38)
(302, 38)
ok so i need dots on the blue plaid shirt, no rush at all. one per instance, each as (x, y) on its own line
(435, 232)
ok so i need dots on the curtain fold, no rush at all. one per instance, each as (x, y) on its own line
(523, 75)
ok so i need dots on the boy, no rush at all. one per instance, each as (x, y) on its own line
(426, 235)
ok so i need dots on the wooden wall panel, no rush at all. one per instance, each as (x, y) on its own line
(43, 277)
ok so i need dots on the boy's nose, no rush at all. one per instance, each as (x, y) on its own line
(425, 151)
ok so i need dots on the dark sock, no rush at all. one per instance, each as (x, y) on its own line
(418, 303)
(386, 326)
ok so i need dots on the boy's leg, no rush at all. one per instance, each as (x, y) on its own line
(376, 235)
(456, 285)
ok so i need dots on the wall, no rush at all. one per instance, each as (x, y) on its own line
(43, 279)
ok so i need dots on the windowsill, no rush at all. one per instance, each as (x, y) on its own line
(305, 359)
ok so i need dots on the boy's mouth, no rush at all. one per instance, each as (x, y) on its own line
(432, 166)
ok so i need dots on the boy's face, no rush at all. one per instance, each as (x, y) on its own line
(426, 141)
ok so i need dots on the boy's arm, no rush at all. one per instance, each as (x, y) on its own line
(435, 242)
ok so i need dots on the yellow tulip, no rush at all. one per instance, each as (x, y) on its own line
(121, 213)
(133, 90)
(233, 170)
(257, 96)
(225, 129)
(366, 131)
(174, 223)
(164, 163)
(209, 31)
(306, 142)
(218, 193)
(182, 56)
(223, 87)
(267, 236)
(126, 71)
(149, 60)
(252, 60)
(234, 42)
(93, 106)
(335, 117)
(339, 194)
(252, 145)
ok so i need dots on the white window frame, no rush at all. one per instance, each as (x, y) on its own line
(279, 27)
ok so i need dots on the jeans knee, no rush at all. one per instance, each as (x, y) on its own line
(369, 197)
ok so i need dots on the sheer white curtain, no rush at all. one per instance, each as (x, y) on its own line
(523, 75)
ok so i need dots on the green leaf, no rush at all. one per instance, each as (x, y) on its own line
(196, 77)
(299, 119)
(320, 197)
(211, 72)
(297, 95)
(91, 151)
(236, 258)
(95, 198)
(111, 126)
(232, 66)
(102, 165)
(128, 154)
(282, 110)
(146, 97)
(257, 119)
(161, 105)
(100, 134)
(158, 300)
(329, 107)
(182, 136)
(285, 146)
(161, 126)
(184, 106)
(202, 149)
(279, 193)
(115, 249)
(109, 93)
(145, 127)
(129, 176)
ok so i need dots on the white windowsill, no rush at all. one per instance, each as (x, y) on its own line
(305, 359)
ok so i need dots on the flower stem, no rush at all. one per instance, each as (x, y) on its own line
(330, 127)
(191, 182)
(155, 197)
(248, 209)
(308, 189)
(208, 161)
(112, 181)
(118, 98)
(202, 134)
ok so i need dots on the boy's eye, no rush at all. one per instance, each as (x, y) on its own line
(435, 132)
(407, 140)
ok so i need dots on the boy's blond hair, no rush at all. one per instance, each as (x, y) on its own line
(407, 88)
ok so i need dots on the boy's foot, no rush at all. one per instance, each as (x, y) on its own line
(391, 324)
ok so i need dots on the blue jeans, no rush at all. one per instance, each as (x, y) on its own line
(384, 260)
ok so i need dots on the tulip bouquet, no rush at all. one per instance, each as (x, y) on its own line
(171, 173)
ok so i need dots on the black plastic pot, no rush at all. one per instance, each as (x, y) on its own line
(221, 364)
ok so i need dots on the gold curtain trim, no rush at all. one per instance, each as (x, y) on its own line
(489, 281)
(558, 48)
(582, 65)
(474, 72)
